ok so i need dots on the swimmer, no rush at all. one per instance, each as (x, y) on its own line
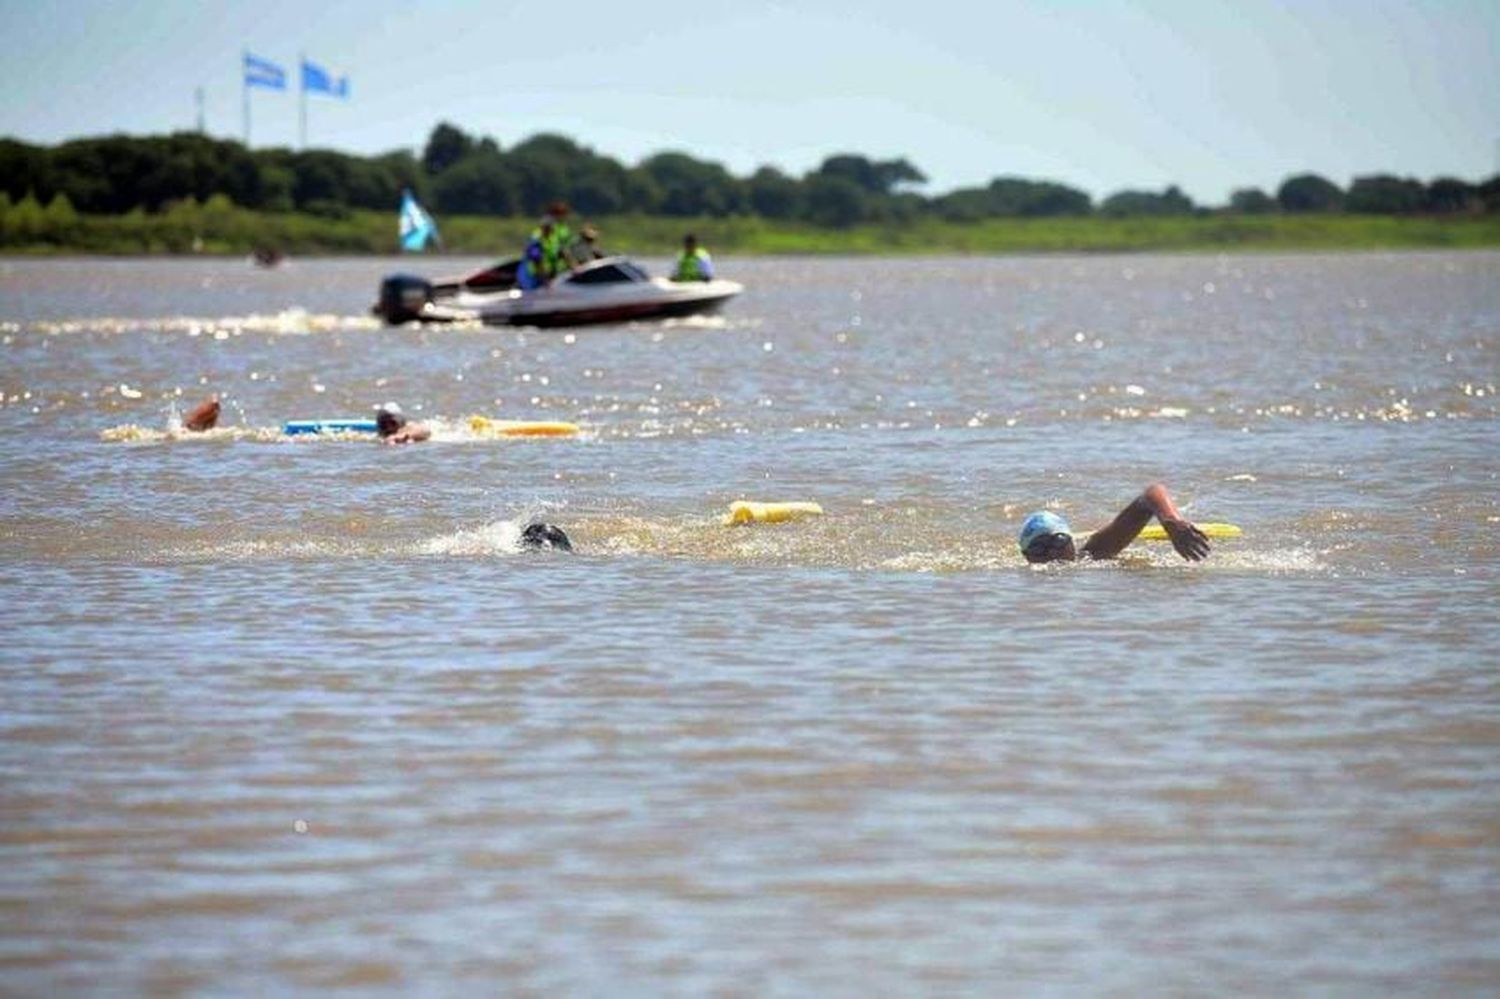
(538, 536)
(204, 416)
(1045, 537)
(394, 428)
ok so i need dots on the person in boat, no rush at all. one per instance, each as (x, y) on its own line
(562, 234)
(544, 257)
(531, 272)
(1046, 537)
(553, 239)
(587, 247)
(204, 416)
(393, 427)
(694, 264)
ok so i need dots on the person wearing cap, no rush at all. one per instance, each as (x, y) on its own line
(694, 264)
(1046, 537)
(394, 428)
(587, 246)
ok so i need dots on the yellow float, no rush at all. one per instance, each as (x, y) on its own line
(1218, 532)
(751, 512)
(487, 427)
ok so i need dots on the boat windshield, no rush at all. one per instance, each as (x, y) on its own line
(618, 271)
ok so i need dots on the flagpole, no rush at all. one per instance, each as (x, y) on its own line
(302, 77)
(245, 90)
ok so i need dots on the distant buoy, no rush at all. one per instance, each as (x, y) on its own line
(748, 512)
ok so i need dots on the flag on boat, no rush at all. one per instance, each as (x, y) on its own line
(315, 80)
(263, 73)
(417, 227)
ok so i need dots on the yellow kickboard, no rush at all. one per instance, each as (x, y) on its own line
(521, 428)
(748, 512)
(1155, 532)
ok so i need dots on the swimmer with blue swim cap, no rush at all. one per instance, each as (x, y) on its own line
(1046, 537)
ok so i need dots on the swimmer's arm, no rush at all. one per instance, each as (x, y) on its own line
(1111, 540)
(410, 434)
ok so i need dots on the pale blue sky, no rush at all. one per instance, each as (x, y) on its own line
(1206, 94)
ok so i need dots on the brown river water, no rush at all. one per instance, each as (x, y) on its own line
(282, 715)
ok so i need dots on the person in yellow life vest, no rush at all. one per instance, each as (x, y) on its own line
(562, 234)
(695, 264)
(544, 251)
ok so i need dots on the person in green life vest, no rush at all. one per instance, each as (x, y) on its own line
(547, 246)
(545, 250)
(695, 264)
(562, 236)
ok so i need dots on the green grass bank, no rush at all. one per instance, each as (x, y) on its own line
(219, 227)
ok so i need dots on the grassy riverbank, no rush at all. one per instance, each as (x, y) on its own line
(219, 227)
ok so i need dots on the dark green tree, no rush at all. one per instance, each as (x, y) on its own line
(1123, 204)
(693, 187)
(871, 176)
(477, 185)
(1449, 195)
(1251, 201)
(1383, 194)
(772, 194)
(1307, 192)
(25, 168)
(1016, 196)
(445, 146)
(1489, 194)
(834, 201)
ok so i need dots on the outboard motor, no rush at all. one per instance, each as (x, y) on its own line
(402, 297)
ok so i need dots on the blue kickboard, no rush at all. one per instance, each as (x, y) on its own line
(295, 427)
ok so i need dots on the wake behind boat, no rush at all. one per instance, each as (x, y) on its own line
(608, 290)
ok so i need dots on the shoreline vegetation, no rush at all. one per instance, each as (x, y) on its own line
(221, 228)
(190, 193)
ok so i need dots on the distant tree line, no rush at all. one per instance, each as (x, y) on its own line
(458, 173)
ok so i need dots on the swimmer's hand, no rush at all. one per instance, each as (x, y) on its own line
(1191, 543)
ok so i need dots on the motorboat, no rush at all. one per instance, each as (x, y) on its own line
(607, 290)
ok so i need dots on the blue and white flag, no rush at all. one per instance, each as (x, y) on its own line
(263, 73)
(315, 80)
(417, 227)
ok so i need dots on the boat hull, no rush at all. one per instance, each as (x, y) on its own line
(657, 299)
(609, 290)
(620, 312)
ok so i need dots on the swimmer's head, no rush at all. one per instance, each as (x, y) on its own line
(538, 536)
(1046, 537)
(388, 419)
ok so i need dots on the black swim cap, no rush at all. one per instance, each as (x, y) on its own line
(539, 535)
